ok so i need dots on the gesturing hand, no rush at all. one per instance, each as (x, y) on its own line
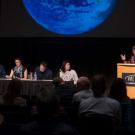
(123, 57)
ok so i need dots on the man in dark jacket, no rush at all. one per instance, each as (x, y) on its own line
(43, 73)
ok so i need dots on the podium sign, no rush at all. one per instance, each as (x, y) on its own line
(127, 73)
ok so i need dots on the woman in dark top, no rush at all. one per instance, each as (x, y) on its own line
(19, 71)
(119, 92)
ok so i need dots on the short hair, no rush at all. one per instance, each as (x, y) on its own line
(43, 63)
(98, 85)
(18, 59)
(63, 65)
(83, 83)
(118, 89)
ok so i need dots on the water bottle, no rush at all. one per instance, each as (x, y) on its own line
(31, 77)
(35, 76)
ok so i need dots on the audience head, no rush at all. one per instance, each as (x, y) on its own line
(58, 82)
(13, 91)
(18, 62)
(47, 102)
(98, 85)
(118, 90)
(14, 88)
(65, 66)
(83, 83)
(42, 67)
(133, 50)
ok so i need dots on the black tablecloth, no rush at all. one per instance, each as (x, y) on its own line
(29, 87)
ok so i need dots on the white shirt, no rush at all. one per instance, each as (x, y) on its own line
(69, 76)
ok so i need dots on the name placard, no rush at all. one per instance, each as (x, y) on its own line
(129, 78)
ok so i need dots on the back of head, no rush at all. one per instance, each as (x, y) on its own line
(14, 88)
(118, 90)
(58, 81)
(47, 102)
(83, 83)
(13, 91)
(98, 85)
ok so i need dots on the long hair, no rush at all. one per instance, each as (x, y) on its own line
(64, 64)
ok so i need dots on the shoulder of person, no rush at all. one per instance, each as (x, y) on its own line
(87, 101)
(113, 101)
(61, 72)
(73, 71)
(77, 95)
(24, 68)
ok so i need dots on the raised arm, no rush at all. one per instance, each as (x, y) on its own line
(123, 57)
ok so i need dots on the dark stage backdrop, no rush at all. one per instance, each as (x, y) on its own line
(88, 56)
(15, 21)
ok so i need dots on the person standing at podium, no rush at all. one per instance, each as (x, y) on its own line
(132, 58)
(19, 71)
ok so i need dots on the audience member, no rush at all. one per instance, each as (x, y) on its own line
(99, 103)
(48, 121)
(65, 91)
(119, 92)
(84, 92)
(13, 94)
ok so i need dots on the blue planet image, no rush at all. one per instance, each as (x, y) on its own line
(69, 17)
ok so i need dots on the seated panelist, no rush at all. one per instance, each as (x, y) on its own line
(68, 74)
(19, 71)
(43, 72)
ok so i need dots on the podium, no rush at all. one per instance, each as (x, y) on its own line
(127, 73)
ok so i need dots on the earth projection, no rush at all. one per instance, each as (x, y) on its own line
(69, 17)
